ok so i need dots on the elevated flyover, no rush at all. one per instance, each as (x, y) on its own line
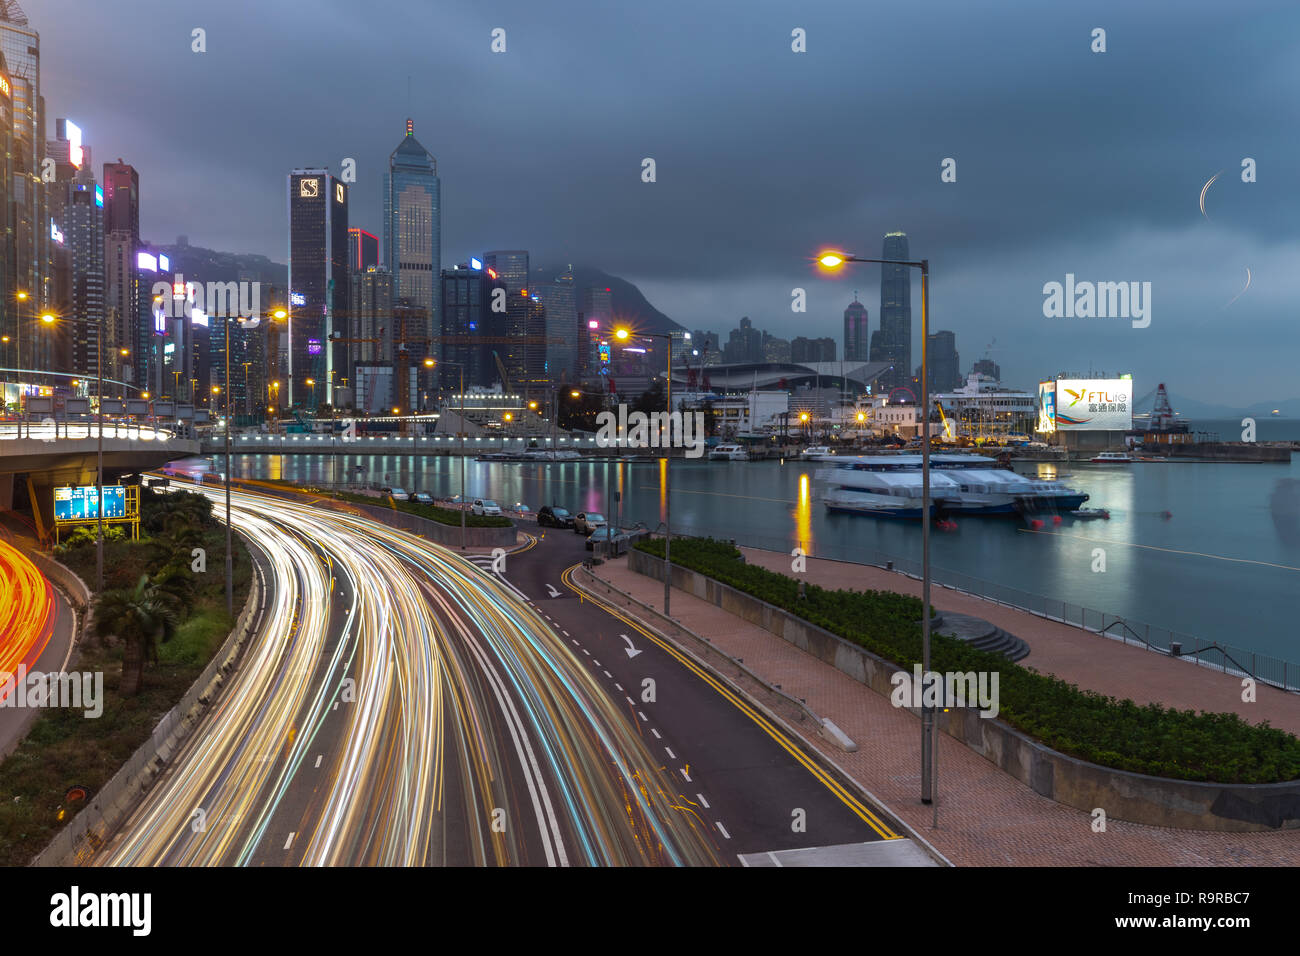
(35, 457)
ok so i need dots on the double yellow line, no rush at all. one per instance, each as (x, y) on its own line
(790, 747)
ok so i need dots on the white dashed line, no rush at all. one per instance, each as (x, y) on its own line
(609, 675)
(658, 736)
(619, 686)
(575, 642)
(288, 841)
(724, 830)
(587, 652)
(704, 803)
(630, 701)
(686, 775)
(564, 632)
(318, 759)
(671, 755)
(596, 662)
(641, 714)
(336, 705)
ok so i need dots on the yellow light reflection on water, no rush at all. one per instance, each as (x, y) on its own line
(803, 513)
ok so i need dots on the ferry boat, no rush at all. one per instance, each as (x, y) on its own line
(816, 452)
(728, 453)
(959, 484)
(1113, 457)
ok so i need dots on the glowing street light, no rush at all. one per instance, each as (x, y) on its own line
(832, 260)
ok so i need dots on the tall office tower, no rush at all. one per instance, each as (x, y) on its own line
(598, 306)
(363, 250)
(83, 230)
(371, 317)
(559, 298)
(27, 226)
(812, 350)
(152, 269)
(511, 267)
(468, 326)
(892, 342)
(318, 284)
(121, 242)
(857, 346)
(413, 239)
(945, 365)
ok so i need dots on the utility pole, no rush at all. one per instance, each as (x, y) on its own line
(99, 469)
(230, 558)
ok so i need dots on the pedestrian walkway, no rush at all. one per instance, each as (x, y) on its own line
(985, 816)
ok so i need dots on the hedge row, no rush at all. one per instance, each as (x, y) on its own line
(1149, 739)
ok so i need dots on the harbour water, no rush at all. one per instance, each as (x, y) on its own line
(1208, 549)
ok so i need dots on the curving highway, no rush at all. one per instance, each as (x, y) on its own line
(27, 611)
(399, 706)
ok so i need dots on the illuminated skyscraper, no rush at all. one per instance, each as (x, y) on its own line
(121, 285)
(413, 239)
(318, 283)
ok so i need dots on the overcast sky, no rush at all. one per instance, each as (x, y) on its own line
(1068, 161)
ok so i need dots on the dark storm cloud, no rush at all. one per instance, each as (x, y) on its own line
(1067, 161)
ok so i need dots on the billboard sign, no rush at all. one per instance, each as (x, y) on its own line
(1046, 408)
(79, 503)
(1094, 404)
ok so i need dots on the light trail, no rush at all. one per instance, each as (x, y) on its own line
(471, 733)
(26, 611)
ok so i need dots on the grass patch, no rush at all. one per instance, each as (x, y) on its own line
(1150, 738)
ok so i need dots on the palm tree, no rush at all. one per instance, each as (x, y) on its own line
(139, 616)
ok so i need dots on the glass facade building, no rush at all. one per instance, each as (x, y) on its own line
(318, 284)
(413, 240)
(892, 342)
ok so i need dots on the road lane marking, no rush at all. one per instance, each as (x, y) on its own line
(643, 716)
(704, 803)
(656, 733)
(724, 830)
(318, 759)
(671, 755)
(288, 841)
(609, 675)
(687, 776)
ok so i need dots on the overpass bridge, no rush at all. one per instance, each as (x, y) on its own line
(36, 457)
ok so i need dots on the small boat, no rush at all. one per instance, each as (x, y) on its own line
(1113, 457)
(728, 453)
(1090, 513)
(816, 451)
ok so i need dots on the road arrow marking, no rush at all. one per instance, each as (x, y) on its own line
(631, 651)
(554, 593)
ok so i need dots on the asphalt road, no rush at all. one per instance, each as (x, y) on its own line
(759, 789)
(399, 706)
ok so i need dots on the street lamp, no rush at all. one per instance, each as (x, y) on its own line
(623, 334)
(311, 382)
(831, 260)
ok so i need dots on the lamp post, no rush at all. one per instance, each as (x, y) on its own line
(460, 432)
(623, 335)
(834, 260)
(99, 465)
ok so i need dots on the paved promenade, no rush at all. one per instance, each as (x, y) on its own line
(987, 818)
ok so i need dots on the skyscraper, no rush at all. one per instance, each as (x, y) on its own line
(511, 267)
(83, 229)
(413, 239)
(363, 250)
(27, 225)
(466, 317)
(121, 282)
(945, 365)
(559, 298)
(856, 342)
(892, 342)
(318, 282)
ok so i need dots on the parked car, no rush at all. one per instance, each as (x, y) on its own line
(485, 506)
(554, 517)
(422, 498)
(604, 536)
(398, 493)
(588, 521)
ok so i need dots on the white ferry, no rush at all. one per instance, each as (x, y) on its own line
(816, 452)
(959, 484)
(728, 453)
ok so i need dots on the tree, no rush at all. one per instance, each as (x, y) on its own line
(139, 617)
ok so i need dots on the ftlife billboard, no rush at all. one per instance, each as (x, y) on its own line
(1094, 404)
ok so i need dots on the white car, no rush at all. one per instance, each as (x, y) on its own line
(485, 506)
(588, 521)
